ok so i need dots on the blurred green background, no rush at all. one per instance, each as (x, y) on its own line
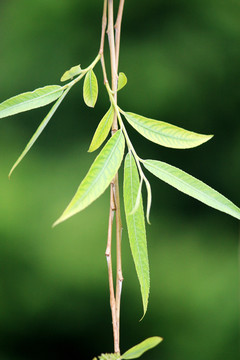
(182, 62)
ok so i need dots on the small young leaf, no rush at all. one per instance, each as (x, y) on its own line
(98, 177)
(30, 100)
(165, 134)
(102, 130)
(149, 200)
(122, 81)
(69, 74)
(136, 227)
(191, 186)
(39, 130)
(90, 89)
(137, 351)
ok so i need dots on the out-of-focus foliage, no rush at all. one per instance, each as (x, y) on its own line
(181, 58)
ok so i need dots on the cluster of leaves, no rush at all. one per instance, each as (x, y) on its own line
(108, 162)
(135, 352)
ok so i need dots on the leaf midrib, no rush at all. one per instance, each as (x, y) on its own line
(31, 100)
(135, 231)
(136, 123)
(196, 190)
(102, 170)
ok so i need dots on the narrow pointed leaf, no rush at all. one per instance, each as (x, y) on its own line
(39, 130)
(137, 351)
(69, 74)
(191, 186)
(136, 227)
(98, 177)
(90, 89)
(122, 81)
(165, 134)
(30, 100)
(102, 130)
(149, 200)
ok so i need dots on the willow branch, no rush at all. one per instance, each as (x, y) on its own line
(101, 50)
(108, 254)
(114, 61)
(118, 25)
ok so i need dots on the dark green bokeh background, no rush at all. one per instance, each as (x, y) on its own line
(182, 62)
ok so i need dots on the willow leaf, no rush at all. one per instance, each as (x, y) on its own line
(122, 81)
(30, 100)
(39, 130)
(137, 351)
(192, 187)
(165, 134)
(149, 199)
(90, 89)
(136, 227)
(102, 130)
(98, 177)
(69, 74)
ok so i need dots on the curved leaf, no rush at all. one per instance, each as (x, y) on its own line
(191, 186)
(136, 227)
(122, 81)
(137, 351)
(69, 74)
(30, 100)
(149, 199)
(90, 89)
(102, 130)
(98, 177)
(165, 134)
(39, 130)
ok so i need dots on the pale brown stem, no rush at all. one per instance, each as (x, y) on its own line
(111, 40)
(101, 50)
(119, 277)
(118, 30)
(108, 254)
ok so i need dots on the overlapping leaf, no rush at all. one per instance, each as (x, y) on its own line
(30, 100)
(69, 74)
(165, 134)
(122, 81)
(136, 227)
(191, 186)
(39, 130)
(102, 130)
(137, 351)
(90, 89)
(98, 177)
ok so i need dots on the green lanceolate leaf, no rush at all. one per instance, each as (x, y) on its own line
(102, 130)
(136, 227)
(30, 100)
(98, 177)
(191, 186)
(165, 134)
(149, 199)
(90, 89)
(39, 130)
(69, 74)
(137, 351)
(122, 81)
